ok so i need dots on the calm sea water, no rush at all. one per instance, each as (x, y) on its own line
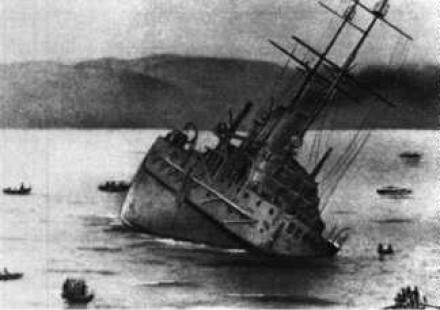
(67, 228)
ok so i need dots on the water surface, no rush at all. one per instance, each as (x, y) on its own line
(67, 228)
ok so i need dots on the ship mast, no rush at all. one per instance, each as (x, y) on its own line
(348, 16)
(311, 73)
(379, 12)
(293, 121)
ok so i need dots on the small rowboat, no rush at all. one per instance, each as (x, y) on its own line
(410, 155)
(11, 276)
(22, 190)
(393, 190)
(78, 299)
(114, 186)
(75, 291)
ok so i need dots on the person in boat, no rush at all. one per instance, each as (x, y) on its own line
(408, 296)
(399, 299)
(66, 285)
(390, 249)
(5, 271)
(380, 248)
(416, 296)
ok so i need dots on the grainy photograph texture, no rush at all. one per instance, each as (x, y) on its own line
(221, 154)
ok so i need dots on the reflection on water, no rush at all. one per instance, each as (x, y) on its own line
(67, 228)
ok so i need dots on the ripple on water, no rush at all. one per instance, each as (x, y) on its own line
(394, 221)
(104, 272)
(94, 220)
(100, 249)
(287, 299)
(170, 284)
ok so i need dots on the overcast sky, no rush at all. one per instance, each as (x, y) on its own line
(67, 30)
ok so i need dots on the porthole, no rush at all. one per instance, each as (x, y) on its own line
(261, 230)
(258, 203)
(246, 195)
(271, 211)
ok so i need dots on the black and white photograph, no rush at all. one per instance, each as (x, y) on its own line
(219, 154)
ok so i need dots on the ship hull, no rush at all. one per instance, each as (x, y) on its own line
(151, 207)
(159, 204)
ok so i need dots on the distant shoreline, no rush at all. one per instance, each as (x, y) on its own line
(170, 90)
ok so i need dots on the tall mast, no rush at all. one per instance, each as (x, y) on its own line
(379, 12)
(270, 130)
(292, 124)
(331, 91)
(348, 16)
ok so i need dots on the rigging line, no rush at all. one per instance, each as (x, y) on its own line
(320, 121)
(289, 90)
(314, 143)
(316, 146)
(352, 146)
(350, 149)
(400, 49)
(324, 133)
(361, 138)
(309, 57)
(395, 54)
(330, 136)
(280, 76)
(345, 169)
(342, 161)
(323, 118)
(354, 156)
(355, 144)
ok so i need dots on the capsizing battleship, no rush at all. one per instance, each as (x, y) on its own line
(250, 191)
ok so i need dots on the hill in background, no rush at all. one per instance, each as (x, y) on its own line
(169, 90)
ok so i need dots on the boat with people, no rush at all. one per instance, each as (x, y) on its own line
(253, 191)
(382, 250)
(76, 291)
(394, 191)
(21, 190)
(408, 298)
(7, 276)
(114, 186)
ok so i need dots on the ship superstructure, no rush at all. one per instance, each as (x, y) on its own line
(250, 190)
